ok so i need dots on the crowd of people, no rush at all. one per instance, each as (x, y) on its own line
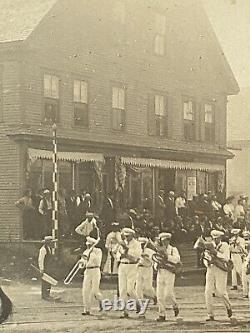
(185, 219)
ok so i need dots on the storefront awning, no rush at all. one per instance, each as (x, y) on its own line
(165, 164)
(35, 154)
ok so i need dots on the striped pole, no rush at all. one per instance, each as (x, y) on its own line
(55, 191)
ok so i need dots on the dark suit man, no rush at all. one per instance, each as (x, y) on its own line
(108, 210)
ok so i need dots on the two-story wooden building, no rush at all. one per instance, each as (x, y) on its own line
(138, 90)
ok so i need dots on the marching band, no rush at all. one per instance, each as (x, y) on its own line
(138, 257)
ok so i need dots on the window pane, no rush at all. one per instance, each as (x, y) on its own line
(159, 105)
(188, 112)
(160, 24)
(77, 90)
(208, 113)
(159, 44)
(47, 85)
(115, 98)
(121, 99)
(55, 87)
(118, 98)
(84, 92)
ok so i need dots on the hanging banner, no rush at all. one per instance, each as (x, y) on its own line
(191, 187)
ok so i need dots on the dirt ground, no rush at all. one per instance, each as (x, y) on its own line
(32, 315)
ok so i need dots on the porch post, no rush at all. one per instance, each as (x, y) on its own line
(55, 191)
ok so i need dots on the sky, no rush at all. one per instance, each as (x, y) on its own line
(231, 22)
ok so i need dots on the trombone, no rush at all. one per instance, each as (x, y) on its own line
(80, 264)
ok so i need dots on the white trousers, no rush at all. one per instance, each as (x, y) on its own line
(91, 287)
(127, 280)
(107, 266)
(144, 282)
(245, 280)
(218, 278)
(165, 290)
(237, 261)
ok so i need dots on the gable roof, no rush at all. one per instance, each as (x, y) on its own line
(18, 18)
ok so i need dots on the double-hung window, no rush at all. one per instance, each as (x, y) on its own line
(51, 98)
(209, 123)
(160, 115)
(81, 116)
(118, 108)
(189, 120)
(160, 36)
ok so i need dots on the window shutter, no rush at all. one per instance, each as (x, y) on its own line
(166, 115)
(217, 113)
(151, 115)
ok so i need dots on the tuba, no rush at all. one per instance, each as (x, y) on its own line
(210, 257)
(161, 259)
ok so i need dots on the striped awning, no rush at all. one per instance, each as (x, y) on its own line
(35, 154)
(166, 164)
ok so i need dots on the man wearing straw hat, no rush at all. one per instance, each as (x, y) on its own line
(165, 278)
(128, 256)
(144, 279)
(92, 274)
(216, 277)
(237, 250)
(44, 264)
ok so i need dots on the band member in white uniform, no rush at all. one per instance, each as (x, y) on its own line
(246, 272)
(237, 250)
(128, 256)
(92, 274)
(144, 279)
(215, 276)
(166, 278)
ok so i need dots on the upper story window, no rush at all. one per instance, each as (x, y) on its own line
(160, 36)
(81, 116)
(189, 120)
(118, 108)
(119, 11)
(160, 115)
(51, 96)
(209, 123)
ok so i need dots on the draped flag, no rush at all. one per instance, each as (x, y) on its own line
(120, 174)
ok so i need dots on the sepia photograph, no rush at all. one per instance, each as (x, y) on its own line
(124, 166)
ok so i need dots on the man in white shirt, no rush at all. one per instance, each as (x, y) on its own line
(92, 274)
(144, 279)
(239, 212)
(215, 276)
(246, 271)
(128, 256)
(87, 226)
(165, 278)
(237, 250)
(112, 243)
(44, 264)
(228, 208)
(180, 204)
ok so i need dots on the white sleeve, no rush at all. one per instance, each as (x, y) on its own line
(40, 209)
(136, 250)
(78, 201)
(80, 230)
(174, 256)
(224, 252)
(42, 254)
